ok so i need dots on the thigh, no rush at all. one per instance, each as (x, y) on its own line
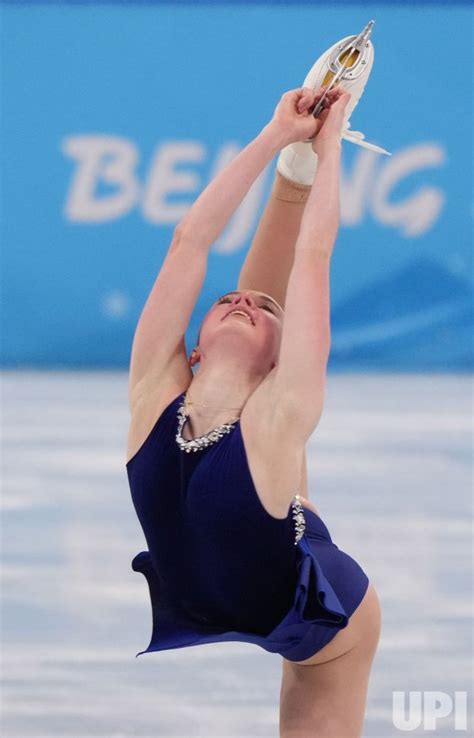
(325, 695)
(364, 627)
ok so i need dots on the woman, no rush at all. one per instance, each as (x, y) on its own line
(215, 458)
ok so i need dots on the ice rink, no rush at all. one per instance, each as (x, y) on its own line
(390, 471)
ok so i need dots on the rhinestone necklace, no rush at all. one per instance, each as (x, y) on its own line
(197, 444)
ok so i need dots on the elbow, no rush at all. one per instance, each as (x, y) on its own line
(187, 234)
(186, 225)
(181, 235)
(179, 229)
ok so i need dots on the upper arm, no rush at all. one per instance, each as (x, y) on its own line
(300, 374)
(158, 342)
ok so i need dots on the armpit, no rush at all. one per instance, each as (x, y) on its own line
(307, 503)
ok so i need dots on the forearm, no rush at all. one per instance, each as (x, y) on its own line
(320, 221)
(208, 216)
(268, 263)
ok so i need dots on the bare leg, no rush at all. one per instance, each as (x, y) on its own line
(271, 255)
(325, 696)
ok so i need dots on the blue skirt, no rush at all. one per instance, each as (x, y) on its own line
(330, 585)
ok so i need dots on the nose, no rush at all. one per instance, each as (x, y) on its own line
(246, 298)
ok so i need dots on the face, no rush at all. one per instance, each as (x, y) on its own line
(258, 336)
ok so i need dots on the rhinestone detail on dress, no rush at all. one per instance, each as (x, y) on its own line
(299, 518)
(197, 444)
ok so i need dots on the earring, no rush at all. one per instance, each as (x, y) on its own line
(193, 357)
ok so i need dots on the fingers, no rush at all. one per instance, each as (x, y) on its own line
(323, 116)
(341, 102)
(339, 93)
(301, 93)
(338, 99)
(332, 119)
(302, 99)
(309, 98)
(306, 100)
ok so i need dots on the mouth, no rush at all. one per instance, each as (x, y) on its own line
(242, 313)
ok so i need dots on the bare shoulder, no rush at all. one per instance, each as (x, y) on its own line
(157, 390)
(274, 453)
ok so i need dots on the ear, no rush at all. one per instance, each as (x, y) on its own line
(194, 357)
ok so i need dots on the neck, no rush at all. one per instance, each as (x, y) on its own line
(219, 396)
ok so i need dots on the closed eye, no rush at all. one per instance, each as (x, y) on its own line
(264, 306)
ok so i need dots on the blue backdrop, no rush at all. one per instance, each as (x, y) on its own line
(115, 117)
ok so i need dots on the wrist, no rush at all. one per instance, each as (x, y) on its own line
(277, 138)
(330, 151)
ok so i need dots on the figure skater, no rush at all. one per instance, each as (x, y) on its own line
(216, 459)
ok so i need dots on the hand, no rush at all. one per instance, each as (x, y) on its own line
(331, 120)
(292, 118)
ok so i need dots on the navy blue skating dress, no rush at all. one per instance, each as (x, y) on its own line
(219, 567)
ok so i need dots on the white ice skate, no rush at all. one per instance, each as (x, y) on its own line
(347, 63)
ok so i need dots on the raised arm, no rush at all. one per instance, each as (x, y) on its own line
(208, 216)
(158, 344)
(300, 375)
